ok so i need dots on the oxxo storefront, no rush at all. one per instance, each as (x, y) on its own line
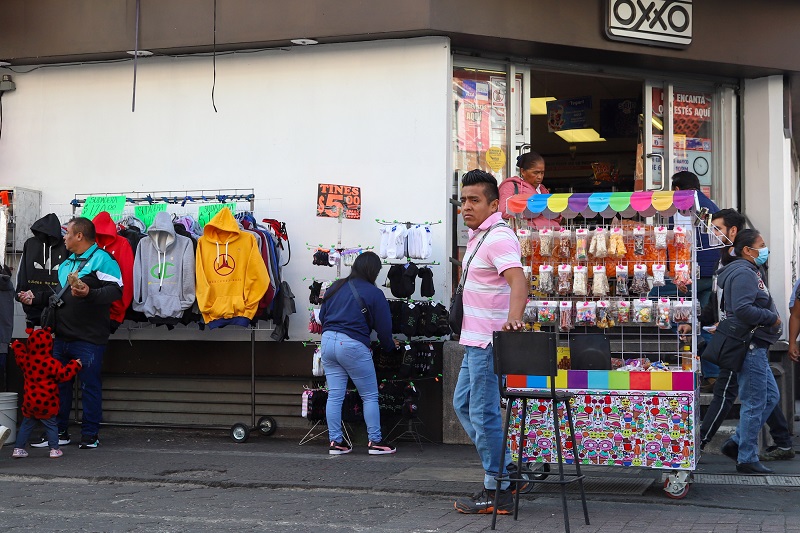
(398, 101)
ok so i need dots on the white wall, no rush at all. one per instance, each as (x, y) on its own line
(372, 115)
(767, 185)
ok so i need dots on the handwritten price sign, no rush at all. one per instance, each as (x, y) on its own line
(333, 200)
(95, 204)
(146, 213)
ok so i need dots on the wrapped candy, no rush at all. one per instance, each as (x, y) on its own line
(638, 240)
(600, 284)
(546, 242)
(581, 244)
(682, 246)
(546, 282)
(546, 312)
(565, 316)
(659, 272)
(623, 311)
(598, 247)
(616, 243)
(682, 311)
(661, 237)
(643, 311)
(529, 315)
(525, 246)
(585, 313)
(622, 280)
(682, 278)
(565, 243)
(580, 281)
(662, 313)
(639, 283)
(605, 318)
(564, 279)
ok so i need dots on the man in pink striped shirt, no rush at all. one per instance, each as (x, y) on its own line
(495, 293)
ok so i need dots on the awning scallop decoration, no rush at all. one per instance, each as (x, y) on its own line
(606, 204)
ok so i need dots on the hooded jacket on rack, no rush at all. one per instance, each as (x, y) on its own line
(163, 271)
(120, 249)
(231, 274)
(42, 254)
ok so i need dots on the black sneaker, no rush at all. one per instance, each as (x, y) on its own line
(381, 448)
(483, 503)
(63, 440)
(339, 448)
(89, 441)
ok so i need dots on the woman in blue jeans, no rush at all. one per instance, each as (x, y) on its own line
(748, 302)
(351, 309)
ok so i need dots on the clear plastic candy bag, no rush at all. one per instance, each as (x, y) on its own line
(659, 275)
(639, 283)
(565, 316)
(682, 278)
(580, 281)
(564, 279)
(682, 311)
(581, 244)
(605, 317)
(616, 243)
(661, 237)
(638, 240)
(546, 242)
(546, 282)
(565, 243)
(663, 308)
(622, 310)
(622, 280)
(600, 283)
(585, 313)
(546, 312)
(643, 311)
(599, 247)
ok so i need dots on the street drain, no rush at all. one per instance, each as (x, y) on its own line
(605, 485)
(772, 481)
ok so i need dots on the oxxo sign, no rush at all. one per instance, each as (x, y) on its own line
(655, 22)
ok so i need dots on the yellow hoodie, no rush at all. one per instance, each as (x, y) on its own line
(231, 274)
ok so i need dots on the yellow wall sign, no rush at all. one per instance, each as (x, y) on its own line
(495, 158)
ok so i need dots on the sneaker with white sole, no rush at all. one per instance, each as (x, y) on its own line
(483, 503)
(4, 434)
(19, 453)
(89, 441)
(339, 448)
(63, 440)
(55, 453)
(381, 448)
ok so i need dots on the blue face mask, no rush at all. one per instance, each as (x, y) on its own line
(763, 255)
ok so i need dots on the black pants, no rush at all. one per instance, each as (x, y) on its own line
(726, 389)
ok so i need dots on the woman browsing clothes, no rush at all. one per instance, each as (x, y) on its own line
(529, 181)
(351, 309)
(748, 302)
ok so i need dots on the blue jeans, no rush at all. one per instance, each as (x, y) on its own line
(343, 357)
(477, 403)
(27, 426)
(91, 356)
(759, 395)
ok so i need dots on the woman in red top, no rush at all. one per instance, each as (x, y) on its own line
(529, 181)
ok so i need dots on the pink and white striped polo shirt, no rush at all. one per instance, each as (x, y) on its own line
(487, 294)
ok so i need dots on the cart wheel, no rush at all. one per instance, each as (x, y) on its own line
(677, 485)
(267, 425)
(540, 473)
(240, 432)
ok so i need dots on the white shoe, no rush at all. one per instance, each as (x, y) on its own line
(4, 434)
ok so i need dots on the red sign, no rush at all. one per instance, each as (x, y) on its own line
(336, 200)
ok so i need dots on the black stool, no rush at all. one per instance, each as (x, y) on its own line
(534, 354)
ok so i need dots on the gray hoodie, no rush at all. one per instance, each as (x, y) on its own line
(747, 299)
(163, 271)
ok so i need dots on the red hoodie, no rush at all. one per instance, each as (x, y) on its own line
(120, 249)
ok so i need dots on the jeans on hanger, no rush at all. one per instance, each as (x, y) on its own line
(477, 404)
(343, 357)
(759, 395)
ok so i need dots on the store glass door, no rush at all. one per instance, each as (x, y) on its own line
(687, 127)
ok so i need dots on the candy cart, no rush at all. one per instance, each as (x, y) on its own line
(618, 272)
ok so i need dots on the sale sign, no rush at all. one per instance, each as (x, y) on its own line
(338, 200)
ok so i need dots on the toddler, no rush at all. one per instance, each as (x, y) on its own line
(40, 400)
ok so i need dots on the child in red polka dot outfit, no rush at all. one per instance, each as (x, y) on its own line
(42, 375)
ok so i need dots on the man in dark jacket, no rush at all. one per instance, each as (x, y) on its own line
(82, 324)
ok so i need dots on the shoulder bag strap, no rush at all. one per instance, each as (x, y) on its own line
(77, 261)
(474, 252)
(364, 309)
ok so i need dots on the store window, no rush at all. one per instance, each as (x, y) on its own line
(692, 127)
(480, 119)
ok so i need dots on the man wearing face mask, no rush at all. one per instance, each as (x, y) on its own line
(726, 224)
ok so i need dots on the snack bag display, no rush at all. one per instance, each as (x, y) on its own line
(565, 316)
(643, 311)
(565, 243)
(616, 243)
(605, 317)
(663, 308)
(660, 233)
(564, 279)
(580, 281)
(599, 247)
(682, 311)
(639, 284)
(585, 313)
(546, 242)
(682, 278)
(659, 275)
(546, 312)
(581, 244)
(600, 283)
(623, 311)
(546, 282)
(622, 280)
(638, 240)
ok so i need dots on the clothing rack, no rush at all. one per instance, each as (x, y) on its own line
(239, 432)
